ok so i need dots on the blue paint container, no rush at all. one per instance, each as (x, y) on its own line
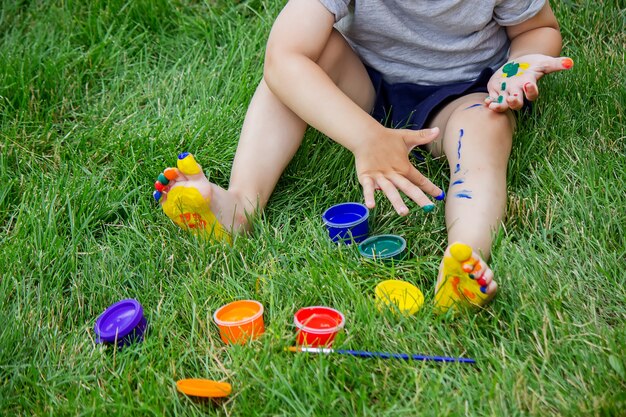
(347, 222)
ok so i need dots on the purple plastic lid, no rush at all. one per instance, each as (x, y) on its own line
(119, 320)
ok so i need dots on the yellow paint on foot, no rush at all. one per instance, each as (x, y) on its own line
(189, 210)
(170, 174)
(189, 166)
(456, 288)
(460, 251)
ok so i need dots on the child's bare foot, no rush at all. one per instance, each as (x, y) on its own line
(185, 195)
(464, 280)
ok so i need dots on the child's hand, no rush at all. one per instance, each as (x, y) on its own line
(383, 163)
(518, 79)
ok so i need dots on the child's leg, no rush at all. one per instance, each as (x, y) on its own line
(476, 142)
(270, 136)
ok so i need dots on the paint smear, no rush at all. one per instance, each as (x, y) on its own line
(511, 69)
(457, 182)
(473, 105)
(503, 86)
(567, 63)
(458, 168)
(463, 195)
(458, 151)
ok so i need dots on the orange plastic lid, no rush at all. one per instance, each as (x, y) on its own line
(203, 388)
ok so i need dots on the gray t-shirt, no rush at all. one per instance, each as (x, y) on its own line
(430, 42)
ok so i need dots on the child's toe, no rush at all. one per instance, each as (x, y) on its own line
(171, 173)
(164, 182)
(485, 278)
(489, 289)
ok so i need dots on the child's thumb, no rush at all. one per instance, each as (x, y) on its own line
(413, 138)
(557, 64)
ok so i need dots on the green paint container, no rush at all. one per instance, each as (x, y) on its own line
(383, 247)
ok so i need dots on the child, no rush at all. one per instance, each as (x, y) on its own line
(341, 66)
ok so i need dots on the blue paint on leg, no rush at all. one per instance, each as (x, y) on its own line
(457, 182)
(458, 168)
(474, 105)
(463, 195)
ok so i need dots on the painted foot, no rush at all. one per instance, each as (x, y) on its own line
(464, 280)
(185, 197)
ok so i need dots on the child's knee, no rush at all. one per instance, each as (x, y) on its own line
(483, 127)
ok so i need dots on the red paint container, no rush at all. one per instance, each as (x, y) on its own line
(317, 325)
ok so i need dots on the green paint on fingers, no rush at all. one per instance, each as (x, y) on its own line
(503, 87)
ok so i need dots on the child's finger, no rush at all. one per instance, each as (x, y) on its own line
(413, 138)
(531, 91)
(393, 195)
(556, 64)
(493, 95)
(498, 107)
(368, 191)
(414, 193)
(417, 178)
(515, 101)
(496, 100)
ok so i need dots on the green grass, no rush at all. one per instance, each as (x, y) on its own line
(97, 97)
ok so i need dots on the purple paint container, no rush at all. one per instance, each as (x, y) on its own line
(123, 322)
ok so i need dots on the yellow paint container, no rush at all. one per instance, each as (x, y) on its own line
(400, 295)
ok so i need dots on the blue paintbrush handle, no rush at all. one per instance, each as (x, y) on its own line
(406, 357)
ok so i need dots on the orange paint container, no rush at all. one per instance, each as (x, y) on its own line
(240, 321)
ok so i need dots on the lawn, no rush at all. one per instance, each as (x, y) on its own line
(97, 97)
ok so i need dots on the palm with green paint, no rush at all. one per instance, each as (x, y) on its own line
(518, 79)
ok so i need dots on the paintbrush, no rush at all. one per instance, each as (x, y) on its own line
(381, 355)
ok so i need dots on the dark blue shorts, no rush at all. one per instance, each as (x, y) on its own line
(411, 106)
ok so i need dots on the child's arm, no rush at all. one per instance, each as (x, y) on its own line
(534, 44)
(296, 42)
